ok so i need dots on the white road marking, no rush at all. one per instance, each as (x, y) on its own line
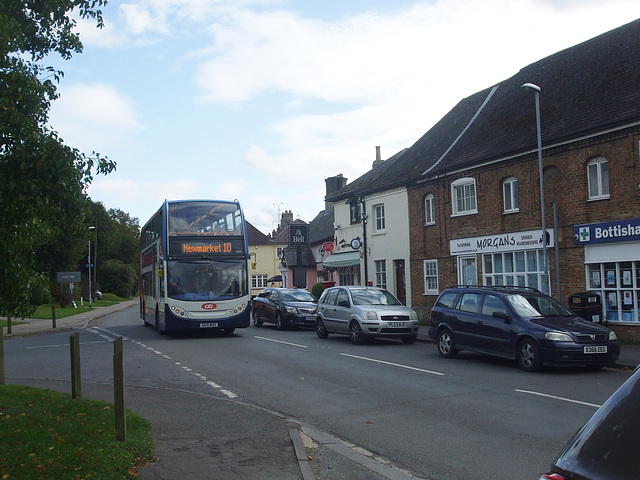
(199, 376)
(539, 394)
(393, 364)
(280, 341)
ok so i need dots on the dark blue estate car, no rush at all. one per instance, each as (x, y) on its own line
(518, 323)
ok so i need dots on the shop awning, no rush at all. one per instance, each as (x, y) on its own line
(341, 260)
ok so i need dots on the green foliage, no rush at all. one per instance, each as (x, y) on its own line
(317, 290)
(39, 294)
(119, 278)
(42, 193)
(55, 436)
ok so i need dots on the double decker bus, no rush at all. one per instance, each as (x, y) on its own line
(193, 267)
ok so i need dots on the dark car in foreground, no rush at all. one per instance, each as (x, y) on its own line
(364, 313)
(518, 323)
(286, 307)
(606, 447)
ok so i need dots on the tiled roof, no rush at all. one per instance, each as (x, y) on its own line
(255, 236)
(321, 228)
(586, 90)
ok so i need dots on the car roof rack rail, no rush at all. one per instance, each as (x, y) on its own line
(497, 287)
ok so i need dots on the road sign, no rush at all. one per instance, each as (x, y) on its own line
(68, 277)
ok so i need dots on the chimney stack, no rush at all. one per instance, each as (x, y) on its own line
(332, 185)
(378, 159)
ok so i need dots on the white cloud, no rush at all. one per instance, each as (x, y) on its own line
(318, 94)
(94, 117)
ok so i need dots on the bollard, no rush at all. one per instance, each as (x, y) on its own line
(53, 315)
(76, 379)
(118, 391)
(1, 357)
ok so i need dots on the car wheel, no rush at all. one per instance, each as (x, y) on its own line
(409, 340)
(529, 356)
(321, 330)
(357, 336)
(279, 323)
(256, 319)
(446, 346)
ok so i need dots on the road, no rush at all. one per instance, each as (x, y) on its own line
(472, 417)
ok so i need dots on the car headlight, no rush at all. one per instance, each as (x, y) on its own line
(558, 337)
(291, 309)
(371, 315)
(612, 335)
(413, 315)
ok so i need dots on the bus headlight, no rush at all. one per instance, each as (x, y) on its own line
(178, 311)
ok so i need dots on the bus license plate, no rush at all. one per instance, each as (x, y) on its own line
(397, 324)
(595, 349)
(209, 325)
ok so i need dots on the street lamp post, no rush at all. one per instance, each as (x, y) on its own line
(545, 251)
(89, 265)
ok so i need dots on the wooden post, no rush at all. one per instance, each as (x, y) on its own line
(8, 323)
(1, 356)
(53, 315)
(76, 383)
(118, 391)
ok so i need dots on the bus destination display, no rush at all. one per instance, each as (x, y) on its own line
(209, 246)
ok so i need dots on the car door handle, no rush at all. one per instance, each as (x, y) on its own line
(480, 322)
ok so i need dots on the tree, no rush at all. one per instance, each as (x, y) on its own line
(44, 181)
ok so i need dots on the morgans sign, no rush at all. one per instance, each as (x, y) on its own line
(607, 232)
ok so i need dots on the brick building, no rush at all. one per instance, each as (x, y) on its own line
(474, 188)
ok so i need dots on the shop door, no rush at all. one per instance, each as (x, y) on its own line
(401, 290)
(467, 271)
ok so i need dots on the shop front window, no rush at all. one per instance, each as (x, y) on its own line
(618, 284)
(513, 269)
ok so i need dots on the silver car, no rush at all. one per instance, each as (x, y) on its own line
(363, 313)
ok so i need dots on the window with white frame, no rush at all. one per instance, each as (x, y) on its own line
(430, 277)
(429, 211)
(378, 211)
(510, 195)
(258, 281)
(279, 252)
(598, 178)
(346, 277)
(463, 192)
(381, 273)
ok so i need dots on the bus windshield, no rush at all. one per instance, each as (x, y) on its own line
(205, 218)
(206, 280)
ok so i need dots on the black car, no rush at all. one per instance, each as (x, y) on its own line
(606, 447)
(286, 307)
(518, 323)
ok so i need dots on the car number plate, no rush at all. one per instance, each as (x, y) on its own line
(595, 349)
(209, 325)
(310, 318)
(397, 324)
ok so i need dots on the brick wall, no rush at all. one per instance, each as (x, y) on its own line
(565, 183)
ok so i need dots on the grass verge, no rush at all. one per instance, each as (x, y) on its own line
(47, 435)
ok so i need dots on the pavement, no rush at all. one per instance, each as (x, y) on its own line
(208, 442)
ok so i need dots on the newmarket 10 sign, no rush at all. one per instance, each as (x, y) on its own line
(202, 247)
(298, 235)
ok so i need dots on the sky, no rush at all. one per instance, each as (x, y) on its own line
(261, 100)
